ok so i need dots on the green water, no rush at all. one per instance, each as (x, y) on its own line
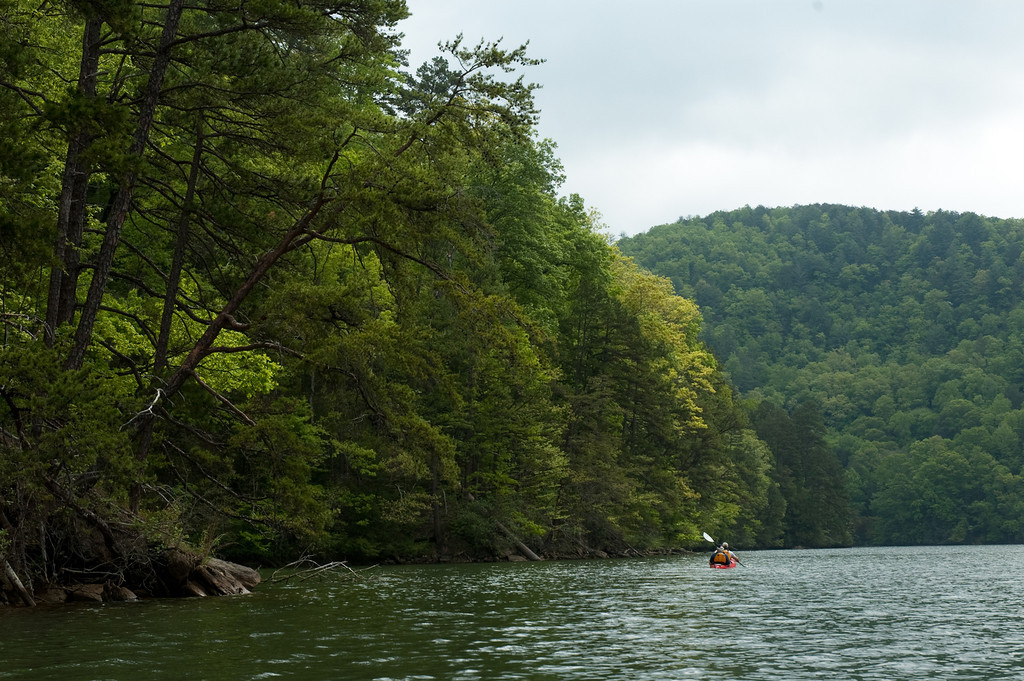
(922, 613)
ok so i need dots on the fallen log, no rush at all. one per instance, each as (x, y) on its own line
(11, 578)
(187, 574)
(522, 547)
(224, 578)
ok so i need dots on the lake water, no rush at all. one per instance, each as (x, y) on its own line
(915, 613)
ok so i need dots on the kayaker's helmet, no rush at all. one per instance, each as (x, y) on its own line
(725, 545)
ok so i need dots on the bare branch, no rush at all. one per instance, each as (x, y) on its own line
(223, 400)
(314, 570)
(133, 367)
(224, 488)
(244, 26)
(265, 345)
(25, 95)
(433, 267)
(148, 411)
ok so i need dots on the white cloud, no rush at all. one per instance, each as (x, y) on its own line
(672, 107)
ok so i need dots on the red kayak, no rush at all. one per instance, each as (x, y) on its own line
(722, 560)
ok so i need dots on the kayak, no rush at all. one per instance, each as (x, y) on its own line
(725, 566)
(723, 560)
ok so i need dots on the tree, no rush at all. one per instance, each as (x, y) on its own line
(206, 183)
(809, 476)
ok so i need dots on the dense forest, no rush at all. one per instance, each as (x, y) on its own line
(902, 333)
(267, 291)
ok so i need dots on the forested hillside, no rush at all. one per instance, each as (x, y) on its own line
(266, 291)
(902, 330)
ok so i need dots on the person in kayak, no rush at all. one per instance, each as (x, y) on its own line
(722, 555)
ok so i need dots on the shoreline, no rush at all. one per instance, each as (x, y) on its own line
(187, 577)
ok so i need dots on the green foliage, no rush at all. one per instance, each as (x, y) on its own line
(809, 476)
(901, 329)
(283, 298)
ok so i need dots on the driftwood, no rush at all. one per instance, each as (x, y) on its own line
(175, 573)
(224, 578)
(527, 551)
(187, 574)
(10, 577)
(296, 571)
(522, 547)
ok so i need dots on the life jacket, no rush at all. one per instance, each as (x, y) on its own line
(720, 558)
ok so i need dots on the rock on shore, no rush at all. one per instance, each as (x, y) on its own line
(176, 574)
(185, 574)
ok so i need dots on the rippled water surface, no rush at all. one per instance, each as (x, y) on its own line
(921, 613)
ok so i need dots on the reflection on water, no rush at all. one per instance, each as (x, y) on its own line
(921, 613)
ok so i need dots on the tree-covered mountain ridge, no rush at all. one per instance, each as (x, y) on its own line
(903, 329)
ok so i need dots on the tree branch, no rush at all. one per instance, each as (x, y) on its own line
(202, 346)
(223, 400)
(24, 94)
(148, 410)
(263, 345)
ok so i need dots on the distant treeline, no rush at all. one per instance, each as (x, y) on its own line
(905, 331)
(265, 293)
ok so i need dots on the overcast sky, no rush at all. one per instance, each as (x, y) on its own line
(666, 108)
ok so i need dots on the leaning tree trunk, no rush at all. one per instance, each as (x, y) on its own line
(11, 578)
(170, 302)
(126, 190)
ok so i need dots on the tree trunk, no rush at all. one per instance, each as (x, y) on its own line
(522, 547)
(436, 506)
(170, 302)
(60, 302)
(174, 275)
(202, 346)
(11, 577)
(126, 190)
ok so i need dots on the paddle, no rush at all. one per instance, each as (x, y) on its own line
(710, 539)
